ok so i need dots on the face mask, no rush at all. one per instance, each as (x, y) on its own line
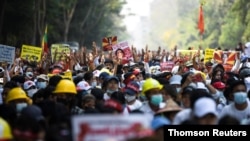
(85, 92)
(20, 106)
(156, 99)
(111, 91)
(29, 74)
(31, 92)
(130, 98)
(178, 90)
(193, 85)
(41, 85)
(240, 97)
(94, 84)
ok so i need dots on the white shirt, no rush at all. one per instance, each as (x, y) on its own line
(106, 96)
(232, 111)
(136, 105)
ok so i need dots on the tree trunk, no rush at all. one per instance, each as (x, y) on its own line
(2, 16)
(68, 15)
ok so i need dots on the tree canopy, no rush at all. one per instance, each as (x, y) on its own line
(84, 21)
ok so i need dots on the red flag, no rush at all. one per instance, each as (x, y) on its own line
(201, 21)
(45, 42)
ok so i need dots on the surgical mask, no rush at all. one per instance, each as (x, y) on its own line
(41, 85)
(130, 98)
(94, 84)
(193, 85)
(31, 92)
(85, 92)
(240, 97)
(178, 90)
(156, 99)
(20, 106)
(29, 74)
(111, 91)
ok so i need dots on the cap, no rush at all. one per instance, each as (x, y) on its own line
(219, 85)
(132, 88)
(109, 78)
(158, 122)
(175, 79)
(244, 72)
(33, 111)
(128, 77)
(103, 75)
(204, 106)
(82, 85)
(43, 77)
(28, 84)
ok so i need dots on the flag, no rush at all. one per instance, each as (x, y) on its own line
(201, 21)
(45, 42)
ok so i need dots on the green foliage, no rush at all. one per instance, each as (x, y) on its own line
(21, 23)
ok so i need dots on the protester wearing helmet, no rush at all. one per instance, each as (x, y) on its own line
(152, 90)
(5, 132)
(18, 98)
(65, 93)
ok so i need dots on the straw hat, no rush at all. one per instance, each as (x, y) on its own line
(171, 106)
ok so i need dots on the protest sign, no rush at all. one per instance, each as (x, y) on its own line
(167, 66)
(209, 55)
(31, 53)
(62, 50)
(122, 51)
(115, 127)
(226, 58)
(107, 43)
(7, 54)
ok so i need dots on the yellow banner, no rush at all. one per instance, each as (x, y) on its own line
(64, 75)
(209, 55)
(62, 50)
(188, 54)
(31, 53)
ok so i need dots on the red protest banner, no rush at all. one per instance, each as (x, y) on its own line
(107, 43)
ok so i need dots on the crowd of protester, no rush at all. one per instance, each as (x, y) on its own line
(38, 99)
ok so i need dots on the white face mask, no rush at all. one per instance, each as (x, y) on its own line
(94, 84)
(20, 106)
(193, 85)
(31, 92)
(130, 98)
(178, 90)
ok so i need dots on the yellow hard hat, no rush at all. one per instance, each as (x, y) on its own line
(5, 132)
(65, 86)
(16, 93)
(151, 83)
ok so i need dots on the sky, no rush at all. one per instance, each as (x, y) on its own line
(138, 8)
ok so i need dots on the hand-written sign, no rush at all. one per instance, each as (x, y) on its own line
(7, 54)
(62, 50)
(110, 127)
(31, 53)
